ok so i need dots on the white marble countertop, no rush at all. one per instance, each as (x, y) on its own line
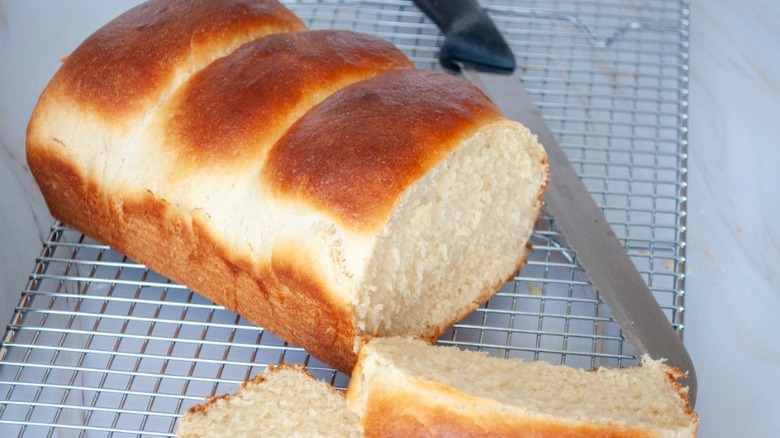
(733, 243)
(733, 287)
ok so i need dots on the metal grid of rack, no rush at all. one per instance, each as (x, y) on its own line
(101, 346)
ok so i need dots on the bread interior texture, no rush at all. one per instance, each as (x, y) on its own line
(641, 396)
(455, 236)
(285, 402)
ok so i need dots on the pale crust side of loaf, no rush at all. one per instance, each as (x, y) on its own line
(169, 242)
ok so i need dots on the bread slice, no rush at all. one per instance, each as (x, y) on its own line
(404, 387)
(282, 401)
(311, 181)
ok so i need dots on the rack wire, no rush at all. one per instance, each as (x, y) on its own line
(101, 346)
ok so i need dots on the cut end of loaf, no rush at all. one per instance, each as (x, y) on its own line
(283, 401)
(456, 236)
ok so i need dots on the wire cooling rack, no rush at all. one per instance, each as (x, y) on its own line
(101, 346)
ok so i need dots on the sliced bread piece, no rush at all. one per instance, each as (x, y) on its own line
(282, 401)
(403, 387)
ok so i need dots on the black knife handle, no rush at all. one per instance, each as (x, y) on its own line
(470, 34)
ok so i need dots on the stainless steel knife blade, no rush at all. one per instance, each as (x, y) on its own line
(575, 212)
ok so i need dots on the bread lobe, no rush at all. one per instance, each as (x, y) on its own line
(384, 133)
(232, 111)
(125, 66)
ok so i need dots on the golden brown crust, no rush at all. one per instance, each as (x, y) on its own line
(423, 408)
(300, 307)
(62, 185)
(234, 109)
(357, 171)
(286, 297)
(124, 66)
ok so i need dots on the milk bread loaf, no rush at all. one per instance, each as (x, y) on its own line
(283, 401)
(310, 180)
(405, 387)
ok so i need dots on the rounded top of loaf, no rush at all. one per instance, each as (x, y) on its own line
(126, 65)
(352, 155)
(230, 112)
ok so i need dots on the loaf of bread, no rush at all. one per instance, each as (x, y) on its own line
(283, 401)
(312, 181)
(404, 387)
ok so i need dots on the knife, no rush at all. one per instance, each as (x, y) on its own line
(474, 47)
